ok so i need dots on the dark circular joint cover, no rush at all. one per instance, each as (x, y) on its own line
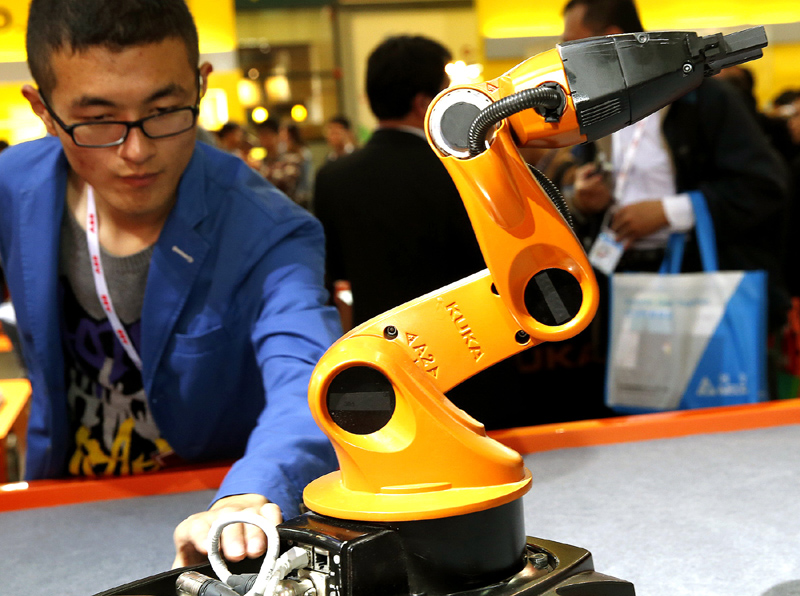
(361, 400)
(553, 297)
(456, 122)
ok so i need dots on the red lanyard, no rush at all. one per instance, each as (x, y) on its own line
(103, 295)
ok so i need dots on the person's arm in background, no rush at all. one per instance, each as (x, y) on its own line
(592, 197)
(592, 193)
(286, 450)
(720, 151)
(635, 221)
(343, 301)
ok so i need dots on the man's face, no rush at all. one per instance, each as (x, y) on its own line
(574, 27)
(269, 141)
(140, 176)
(336, 135)
(233, 140)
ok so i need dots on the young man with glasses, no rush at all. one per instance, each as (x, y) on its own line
(170, 302)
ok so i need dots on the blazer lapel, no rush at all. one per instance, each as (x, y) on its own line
(177, 261)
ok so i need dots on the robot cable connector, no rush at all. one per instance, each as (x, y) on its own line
(273, 569)
(551, 99)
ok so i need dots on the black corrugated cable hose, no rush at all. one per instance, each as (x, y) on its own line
(550, 98)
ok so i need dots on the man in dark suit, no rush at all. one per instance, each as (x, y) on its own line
(395, 224)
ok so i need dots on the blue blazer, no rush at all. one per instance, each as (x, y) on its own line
(233, 320)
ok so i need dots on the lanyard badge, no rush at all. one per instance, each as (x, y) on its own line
(93, 240)
(606, 251)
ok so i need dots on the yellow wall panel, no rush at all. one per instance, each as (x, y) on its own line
(216, 24)
(526, 18)
(518, 18)
(782, 71)
(13, 19)
(228, 81)
(17, 121)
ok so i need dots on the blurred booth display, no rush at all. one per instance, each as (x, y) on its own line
(285, 82)
(214, 109)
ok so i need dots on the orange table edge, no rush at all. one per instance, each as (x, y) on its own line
(70, 491)
(645, 427)
(584, 433)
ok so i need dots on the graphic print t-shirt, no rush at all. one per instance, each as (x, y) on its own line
(112, 428)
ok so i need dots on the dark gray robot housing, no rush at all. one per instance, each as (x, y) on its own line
(619, 79)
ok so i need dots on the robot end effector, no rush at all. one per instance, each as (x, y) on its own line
(607, 82)
(644, 72)
(580, 91)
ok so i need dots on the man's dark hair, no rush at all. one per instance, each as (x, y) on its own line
(744, 82)
(342, 121)
(602, 14)
(270, 124)
(228, 128)
(784, 98)
(77, 25)
(399, 69)
(295, 134)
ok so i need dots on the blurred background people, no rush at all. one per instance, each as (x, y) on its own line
(792, 113)
(781, 105)
(283, 170)
(339, 138)
(792, 268)
(267, 133)
(230, 138)
(294, 151)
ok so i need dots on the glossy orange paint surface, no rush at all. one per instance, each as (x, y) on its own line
(429, 459)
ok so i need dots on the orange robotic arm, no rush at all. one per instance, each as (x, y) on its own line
(406, 452)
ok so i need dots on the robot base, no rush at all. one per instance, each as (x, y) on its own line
(479, 554)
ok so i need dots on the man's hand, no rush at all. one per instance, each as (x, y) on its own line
(592, 190)
(635, 221)
(237, 541)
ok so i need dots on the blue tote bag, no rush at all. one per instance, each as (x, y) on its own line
(687, 340)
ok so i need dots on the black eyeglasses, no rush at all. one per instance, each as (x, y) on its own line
(113, 133)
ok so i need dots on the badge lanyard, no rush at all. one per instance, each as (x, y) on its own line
(627, 160)
(606, 251)
(103, 294)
